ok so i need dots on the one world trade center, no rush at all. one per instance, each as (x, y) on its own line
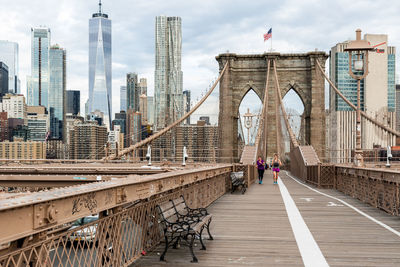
(100, 65)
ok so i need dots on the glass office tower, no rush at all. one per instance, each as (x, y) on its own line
(132, 91)
(38, 82)
(73, 102)
(168, 106)
(100, 65)
(9, 55)
(57, 91)
(122, 98)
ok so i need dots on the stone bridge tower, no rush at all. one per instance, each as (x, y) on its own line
(248, 72)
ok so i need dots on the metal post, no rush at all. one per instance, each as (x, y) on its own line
(360, 48)
(148, 155)
(248, 123)
(388, 156)
(359, 161)
(185, 156)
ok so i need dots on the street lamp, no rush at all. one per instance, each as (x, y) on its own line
(248, 123)
(359, 48)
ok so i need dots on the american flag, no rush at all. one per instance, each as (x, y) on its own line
(268, 35)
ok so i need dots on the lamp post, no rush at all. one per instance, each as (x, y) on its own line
(248, 123)
(360, 49)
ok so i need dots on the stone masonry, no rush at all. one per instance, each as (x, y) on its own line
(295, 71)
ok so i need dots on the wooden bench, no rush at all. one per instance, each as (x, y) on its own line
(181, 223)
(199, 214)
(237, 180)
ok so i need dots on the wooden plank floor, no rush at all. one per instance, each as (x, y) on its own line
(254, 230)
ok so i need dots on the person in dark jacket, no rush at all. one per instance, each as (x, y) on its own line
(260, 167)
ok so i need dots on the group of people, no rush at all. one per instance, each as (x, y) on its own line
(262, 166)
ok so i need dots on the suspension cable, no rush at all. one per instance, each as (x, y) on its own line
(262, 122)
(388, 129)
(166, 129)
(289, 128)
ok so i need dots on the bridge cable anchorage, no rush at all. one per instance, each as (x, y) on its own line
(259, 144)
(386, 128)
(166, 129)
(292, 136)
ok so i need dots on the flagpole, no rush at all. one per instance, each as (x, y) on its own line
(271, 38)
(271, 45)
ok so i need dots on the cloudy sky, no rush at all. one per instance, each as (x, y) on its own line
(208, 28)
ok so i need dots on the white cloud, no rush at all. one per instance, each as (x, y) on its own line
(209, 28)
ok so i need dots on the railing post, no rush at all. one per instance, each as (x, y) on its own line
(319, 175)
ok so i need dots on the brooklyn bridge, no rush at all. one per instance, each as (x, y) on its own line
(115, 213)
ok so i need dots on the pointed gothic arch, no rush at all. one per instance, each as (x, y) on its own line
(295, 71)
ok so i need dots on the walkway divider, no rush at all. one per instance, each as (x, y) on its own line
(308, 247)
(387, 227)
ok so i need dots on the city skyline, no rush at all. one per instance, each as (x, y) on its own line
(237, 28)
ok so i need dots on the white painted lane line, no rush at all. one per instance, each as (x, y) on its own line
(387, 227)
(309, 249)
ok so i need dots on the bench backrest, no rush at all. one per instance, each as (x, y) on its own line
(167, 211)
(236, 175)
(180, 205)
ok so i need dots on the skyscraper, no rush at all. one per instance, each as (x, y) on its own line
(38, 123)
(377, 92)
(150, 110)
(132, 91)
(73, 105)
(186, 104)
(397, 107)
(143, 108)
(168, 105)
(38, 82)
(3, 79)
(122, 98)
(57, 91)
(143, 86)
(100, 97)
(9, 55)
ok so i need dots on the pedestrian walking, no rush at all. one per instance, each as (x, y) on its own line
(276, 163)
(260, 168)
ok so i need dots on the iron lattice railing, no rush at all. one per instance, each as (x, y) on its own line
(117, 239)
(379, 188)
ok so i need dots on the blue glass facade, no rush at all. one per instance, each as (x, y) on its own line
(38, 86)
(391, 83)
(9, 56)
(346, 84)
(100, 66)
(57, 91)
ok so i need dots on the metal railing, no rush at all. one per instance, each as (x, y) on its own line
(122, 222)
(379, 188)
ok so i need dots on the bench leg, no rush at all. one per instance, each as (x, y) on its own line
(175, 246)
(243, 189)
(166, 248)
(233, 189)
(191, 248)
(208, 230)
(203, 247)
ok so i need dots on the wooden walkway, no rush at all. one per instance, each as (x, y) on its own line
(254, 230)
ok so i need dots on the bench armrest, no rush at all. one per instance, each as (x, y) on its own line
(199, 211)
